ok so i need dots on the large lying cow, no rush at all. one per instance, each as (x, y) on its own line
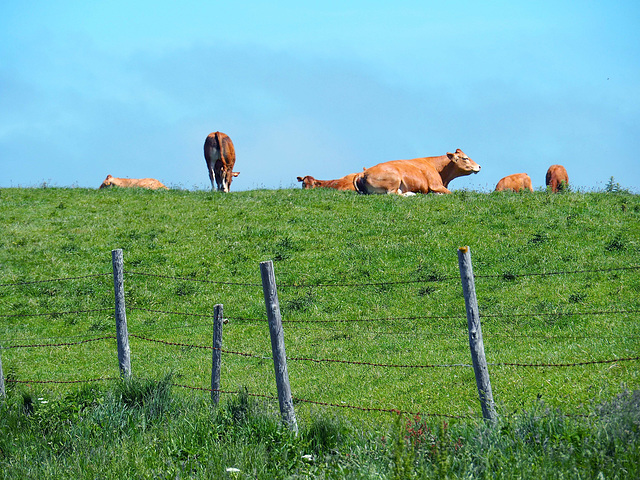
(557, 178)
(515, 183)
(150, 183)
(418, 175)
(220, 157)
(344, 183)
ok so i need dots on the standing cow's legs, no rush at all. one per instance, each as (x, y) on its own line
(212, 177)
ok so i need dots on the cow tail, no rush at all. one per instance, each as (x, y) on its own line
(219, 139)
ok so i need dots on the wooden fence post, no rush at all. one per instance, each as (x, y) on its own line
(217, 354)
(124, 352)
(277, 345)
(475, 335)
(2, 390)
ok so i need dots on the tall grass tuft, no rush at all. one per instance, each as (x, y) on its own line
(120, 430)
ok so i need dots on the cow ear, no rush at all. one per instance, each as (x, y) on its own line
(451, 155)
(300, 179)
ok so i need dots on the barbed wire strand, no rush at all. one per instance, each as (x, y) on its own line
(593, 362)
(149, 310)
(186, 345)
(443, 278)
(11, 380)
(456, 335)
(60, 344)
(556, 314)
(391, 319)
(508, 275)
(68, 312)
(349, 362)
(371, 364)
(434, 278)
(61, 279)
(327, 404)
(321, 360)
(271, 397)
(339, 320)
(189, 279)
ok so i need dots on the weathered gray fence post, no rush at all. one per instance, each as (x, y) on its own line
(2, 390)
(277, 345)
(475, 335)
(124, 353)
(217, 354)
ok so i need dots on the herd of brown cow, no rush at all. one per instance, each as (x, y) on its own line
(403, 177)
(429, 174)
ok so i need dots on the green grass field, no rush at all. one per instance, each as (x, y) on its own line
(326, 238)
(370, 279)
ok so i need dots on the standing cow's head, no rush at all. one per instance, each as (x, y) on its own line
(465, 166)
(223, 179)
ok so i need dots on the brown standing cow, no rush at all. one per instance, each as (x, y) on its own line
(220, 157)
(150, 183)
(418, 175)
(557, 178)
(515, 183)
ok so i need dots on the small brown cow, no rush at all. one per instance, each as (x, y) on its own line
(343, 183)
(515, 183)
(418, 175)
(557, 178)
(220, 157)
(150, 183)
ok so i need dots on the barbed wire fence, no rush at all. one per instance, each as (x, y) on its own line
(433, 278)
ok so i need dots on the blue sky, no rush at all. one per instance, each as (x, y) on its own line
(133, 88)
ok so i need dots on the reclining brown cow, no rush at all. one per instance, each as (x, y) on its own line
(150, 183)
(418, 175)
(557, 178)
(343, 183)
(515, 183)
(220, 156)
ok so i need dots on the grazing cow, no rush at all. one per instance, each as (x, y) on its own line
(221, 157)
(344, 183)
(557, 178)
(418, 175)
(150, 183)
(515, 183)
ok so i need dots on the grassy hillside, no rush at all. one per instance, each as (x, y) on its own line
(370, 279)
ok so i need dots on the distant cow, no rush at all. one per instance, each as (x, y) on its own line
(344, 183)
(150, 183)
(515, 183)
(418, 175)
(221, 157)
(557, 178)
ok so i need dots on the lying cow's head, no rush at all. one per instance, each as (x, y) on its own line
(308, 181)
(107, 182)
(465, 165)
